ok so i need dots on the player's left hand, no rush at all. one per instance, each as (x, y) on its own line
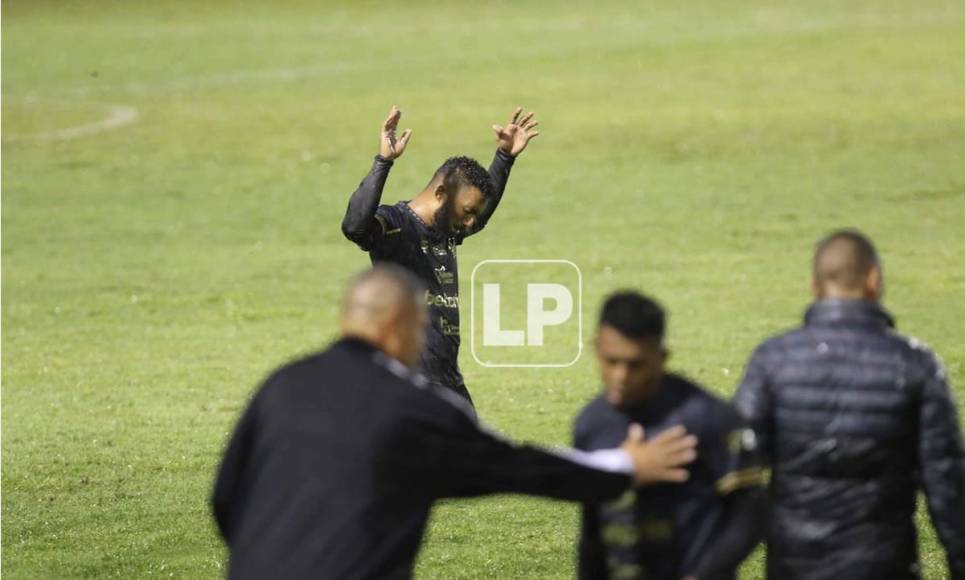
(514, 137)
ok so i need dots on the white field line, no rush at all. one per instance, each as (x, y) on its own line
(117, 117)
(216, 80)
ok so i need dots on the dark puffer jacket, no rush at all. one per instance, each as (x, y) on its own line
(854, 419)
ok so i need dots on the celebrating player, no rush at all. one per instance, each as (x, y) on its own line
(421, 235)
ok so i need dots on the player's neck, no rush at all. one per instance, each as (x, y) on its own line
(645, 397)
(423, 208)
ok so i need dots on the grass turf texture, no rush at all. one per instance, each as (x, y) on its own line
(152, 274)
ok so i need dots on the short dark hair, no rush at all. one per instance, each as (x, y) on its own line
(461, 171)
(844, 257)
(633, 315)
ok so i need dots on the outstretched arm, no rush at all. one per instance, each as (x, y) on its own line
(512, 140)
(459, 458)
(360, 223)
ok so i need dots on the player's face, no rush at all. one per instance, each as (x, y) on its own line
(632, 369)
(458, 212)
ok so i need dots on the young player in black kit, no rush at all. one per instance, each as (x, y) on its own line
(702, 528)
(421, 235)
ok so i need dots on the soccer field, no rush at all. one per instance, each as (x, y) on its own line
(174, 176)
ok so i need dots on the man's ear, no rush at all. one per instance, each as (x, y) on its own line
(440, 192)
(815, 289)
(382, 331)
(665, 354)
(596, 343)
(388, 332)
(874, 286)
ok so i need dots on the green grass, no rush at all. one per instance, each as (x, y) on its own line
(152, 274)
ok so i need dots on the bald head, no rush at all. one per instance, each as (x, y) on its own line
(846, 266)
(386, 307)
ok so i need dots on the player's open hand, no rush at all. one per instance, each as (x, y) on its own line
(662, 458)
(514, 137)
(389, 146)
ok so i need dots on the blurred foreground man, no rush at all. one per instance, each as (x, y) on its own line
(854, 419)
(333, 468)
(703, 528)
(421, 235)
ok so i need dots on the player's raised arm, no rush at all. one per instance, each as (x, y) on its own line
(360, 224)
(511, 139)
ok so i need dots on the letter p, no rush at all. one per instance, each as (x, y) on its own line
(537, 318)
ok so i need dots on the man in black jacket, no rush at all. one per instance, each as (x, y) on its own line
(333, 468)
(854, 419)
(421, 235)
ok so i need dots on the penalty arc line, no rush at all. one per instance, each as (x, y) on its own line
(117, 116)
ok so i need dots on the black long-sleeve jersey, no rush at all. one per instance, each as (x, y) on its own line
(705, 526)
(394, 233)
(333, 468)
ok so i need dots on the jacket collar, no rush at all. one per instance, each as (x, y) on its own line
(356, 344)
(365, 348)
(832, 312)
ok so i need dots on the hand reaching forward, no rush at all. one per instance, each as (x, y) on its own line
(662, 458)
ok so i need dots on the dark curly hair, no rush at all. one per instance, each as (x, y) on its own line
(461, 171)
(633, 315)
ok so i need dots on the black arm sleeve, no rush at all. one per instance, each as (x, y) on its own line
(458, 458)
(732, 452)
(499, 174)
(226, 499)
(482, 463)
(360, 224)
(742, 529)
(591, 564)
(942, 465)
(755, 403)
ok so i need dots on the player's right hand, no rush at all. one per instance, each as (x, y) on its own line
(662, 458)
(389, 146)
